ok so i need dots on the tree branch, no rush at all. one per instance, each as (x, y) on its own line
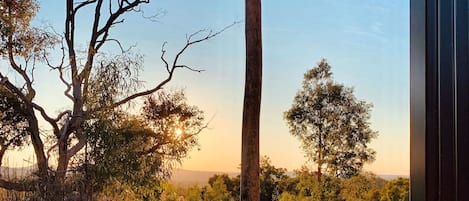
(163, 52)
(83, 4)
(170, 70)
(8, 185)
(31, 92)
(61, 74)
(190, 68)
(78, 146)
(46, 117)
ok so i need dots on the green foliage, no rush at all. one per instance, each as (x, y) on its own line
(194, 193)
(361, 187)
(171, 193)
(116, 190)
(16, 33)
(331, 124)
(307, 187)
(303, 186)
(217, 191)
(137, 153)
(13, 121)
(286, 196)
(232, 184)
(270, 180)
(396, 190)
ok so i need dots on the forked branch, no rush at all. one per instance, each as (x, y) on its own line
(171, 69)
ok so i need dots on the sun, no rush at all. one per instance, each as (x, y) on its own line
(178, 131)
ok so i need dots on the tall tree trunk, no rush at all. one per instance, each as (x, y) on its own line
(250, 180)
(320, 157)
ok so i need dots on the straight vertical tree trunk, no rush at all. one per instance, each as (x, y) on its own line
(250, 180)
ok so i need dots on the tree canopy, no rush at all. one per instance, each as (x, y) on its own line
(97, 84)
(332, 124)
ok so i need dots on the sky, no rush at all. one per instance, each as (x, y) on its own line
(365, 41)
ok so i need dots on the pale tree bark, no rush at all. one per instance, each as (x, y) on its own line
(250, 181)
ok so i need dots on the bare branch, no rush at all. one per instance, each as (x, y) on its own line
(8, 185)
(4, 81)
(60, 69)
(83, 4)
(175, 65)
(190, 68)
(62, 114)
(154, 17)
(78, 146)
(163, 51)
(100, 35)
(104, 31)
(31, 92)
(50, 150)
(46, 117)
(113, 40)
(13, 89)
(70, 36)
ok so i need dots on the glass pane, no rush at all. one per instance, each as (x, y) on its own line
(346, 126)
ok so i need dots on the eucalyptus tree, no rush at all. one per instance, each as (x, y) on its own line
(332, 124)
(138, 150)
(249, 190)
(94, 83)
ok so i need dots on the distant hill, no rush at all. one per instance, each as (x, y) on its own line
(179, 177)
(391, 177)
(16, 172)
(190, 177)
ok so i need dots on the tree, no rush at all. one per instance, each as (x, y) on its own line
(361, 187)
(232, 184)
(194, 193)
(396, 190)
(13, 123)
(287, 197)
(331, 123)
(307, 187)
(94, 82)
(140, 150)
(217, 191)
(271, 178)
(252, 103)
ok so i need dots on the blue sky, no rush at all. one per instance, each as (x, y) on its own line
(365, 41)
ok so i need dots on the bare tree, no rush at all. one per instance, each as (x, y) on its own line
(252, 103)
(81, 74)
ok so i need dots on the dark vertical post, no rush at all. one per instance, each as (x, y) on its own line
(417, 99)
(462, 94)
(446, 81)
(432, 152)
(252, 103)
(439, 100)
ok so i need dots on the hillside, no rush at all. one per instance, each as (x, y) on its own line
(190, 177)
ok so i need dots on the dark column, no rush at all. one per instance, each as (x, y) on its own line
(439, 100)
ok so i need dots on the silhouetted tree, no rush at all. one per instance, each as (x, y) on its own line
(331, 123)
